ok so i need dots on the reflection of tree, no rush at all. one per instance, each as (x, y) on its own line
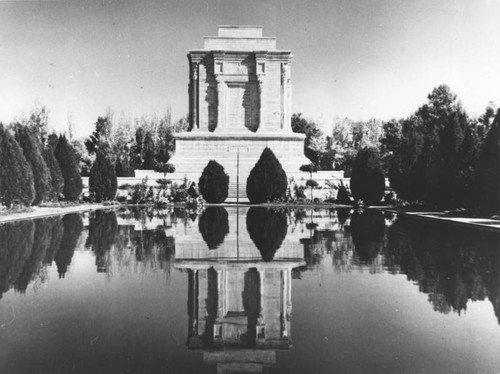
(16, 243)
(267, 229)
(214, 226)
(41, 243)
(73, 226)
(450, 264)
(55, 240)
(367, 230)
(103, 228)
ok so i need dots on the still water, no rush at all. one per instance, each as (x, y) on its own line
(247, 290)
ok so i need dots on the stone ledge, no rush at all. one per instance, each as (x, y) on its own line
(203, 135)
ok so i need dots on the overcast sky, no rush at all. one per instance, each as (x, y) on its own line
(355, 58)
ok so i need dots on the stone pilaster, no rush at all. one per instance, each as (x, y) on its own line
(194, 97)
(286, 98)
(221, 102)
(262, 100)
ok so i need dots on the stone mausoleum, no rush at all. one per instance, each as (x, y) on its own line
(240, 96)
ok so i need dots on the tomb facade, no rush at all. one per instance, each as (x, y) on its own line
(240, 95)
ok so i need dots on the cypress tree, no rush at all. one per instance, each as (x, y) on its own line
(56, 177)
(102, 180)
(16, 178)
(367, 179)
(69, 168)
(214, 183)
(32, 150)
(267, 180)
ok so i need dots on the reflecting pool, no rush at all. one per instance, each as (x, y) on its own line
(247, 290)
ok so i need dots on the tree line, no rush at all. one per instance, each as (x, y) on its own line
(439, 156)
(36, 167)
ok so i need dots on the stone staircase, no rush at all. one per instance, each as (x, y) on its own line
(233, 192)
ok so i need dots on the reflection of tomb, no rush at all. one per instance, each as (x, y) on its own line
(239, 306)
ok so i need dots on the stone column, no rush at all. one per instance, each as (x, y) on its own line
(260, 87)
(221, 103)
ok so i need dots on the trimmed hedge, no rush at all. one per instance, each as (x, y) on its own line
(267, 180)
(214, 183)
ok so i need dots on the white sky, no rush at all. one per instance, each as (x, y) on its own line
(355, 58)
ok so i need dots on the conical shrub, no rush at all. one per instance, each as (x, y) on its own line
(267, 180)
(214, 183)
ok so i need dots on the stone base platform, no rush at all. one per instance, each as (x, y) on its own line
(194, 150)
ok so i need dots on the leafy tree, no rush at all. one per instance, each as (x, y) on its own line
(32, 150)
(267, 180)
(65, 156)
(300, 124)
(16, 178)
(488, 172)
(214, 226)
(367, 180)
(102, 181)
(214, 183)
(100, 136)
(267, 229)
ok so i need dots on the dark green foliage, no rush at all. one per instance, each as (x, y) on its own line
(367, 179)
(488, 172)
(453, 265)
(16, 242)
(103, 230)
(56, 178)
(312, 183)
(41, 243)
(100, 136)
(267, 229)
(434, 161)
(123, 168)
(214, 226)
(69, 168)
(73, 227)
(16, 178)
(32, 150)
(164, 167)
(57, 233)
(267, 180)
(367, 230)
(309, 168)
(102, 180)
(343, 194)
(148, 152)
(214, 183)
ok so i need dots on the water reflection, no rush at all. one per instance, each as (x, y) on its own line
(451, 265)
(235, 268)
(214, 226)
(239, 299)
